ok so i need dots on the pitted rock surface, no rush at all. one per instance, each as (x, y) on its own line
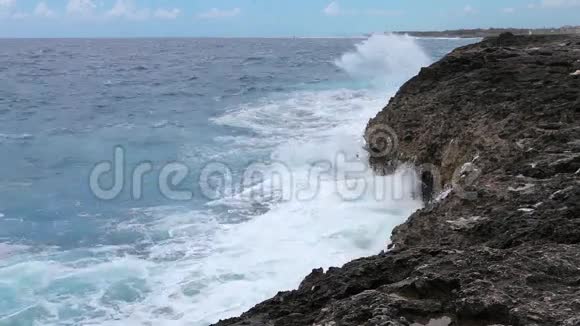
(499, 241)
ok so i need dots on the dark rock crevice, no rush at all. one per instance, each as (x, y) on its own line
(494, 126)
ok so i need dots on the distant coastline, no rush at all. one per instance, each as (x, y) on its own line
(479, 32)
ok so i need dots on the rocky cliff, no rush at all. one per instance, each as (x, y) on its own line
(494, 130)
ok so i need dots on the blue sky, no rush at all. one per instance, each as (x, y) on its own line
(130, 18)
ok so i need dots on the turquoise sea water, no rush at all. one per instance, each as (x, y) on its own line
(68, 257)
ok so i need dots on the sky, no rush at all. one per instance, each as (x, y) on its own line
(271, 18)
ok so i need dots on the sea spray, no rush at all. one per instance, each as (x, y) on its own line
(193, 264)
(386, 61)
(275, 250)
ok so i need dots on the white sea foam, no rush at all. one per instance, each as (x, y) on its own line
(16, 136)
(385, 59)
(7, 250)
(205, 270)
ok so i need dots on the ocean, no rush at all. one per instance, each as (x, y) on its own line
(182, 181)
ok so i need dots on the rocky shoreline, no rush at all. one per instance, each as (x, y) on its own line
(494, 130)
(492, 32)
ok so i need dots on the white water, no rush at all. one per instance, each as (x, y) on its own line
(206, 270)
(377, 61)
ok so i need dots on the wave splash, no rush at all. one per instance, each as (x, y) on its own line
(385, 60)
(203, 270)
(275, 250)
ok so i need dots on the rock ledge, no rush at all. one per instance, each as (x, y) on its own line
(496, 125)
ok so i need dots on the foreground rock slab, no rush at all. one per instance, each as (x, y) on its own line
(494, 128)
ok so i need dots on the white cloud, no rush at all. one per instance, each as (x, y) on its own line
(167, 13)
(127, 9)
(42, 10)
(7, 9)
(121, 9)
(508, 10)
(19, 15)
(218, 13)
(469, 10)
(560, 3)
(80, 7)
(332, 9)
(5, 4)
